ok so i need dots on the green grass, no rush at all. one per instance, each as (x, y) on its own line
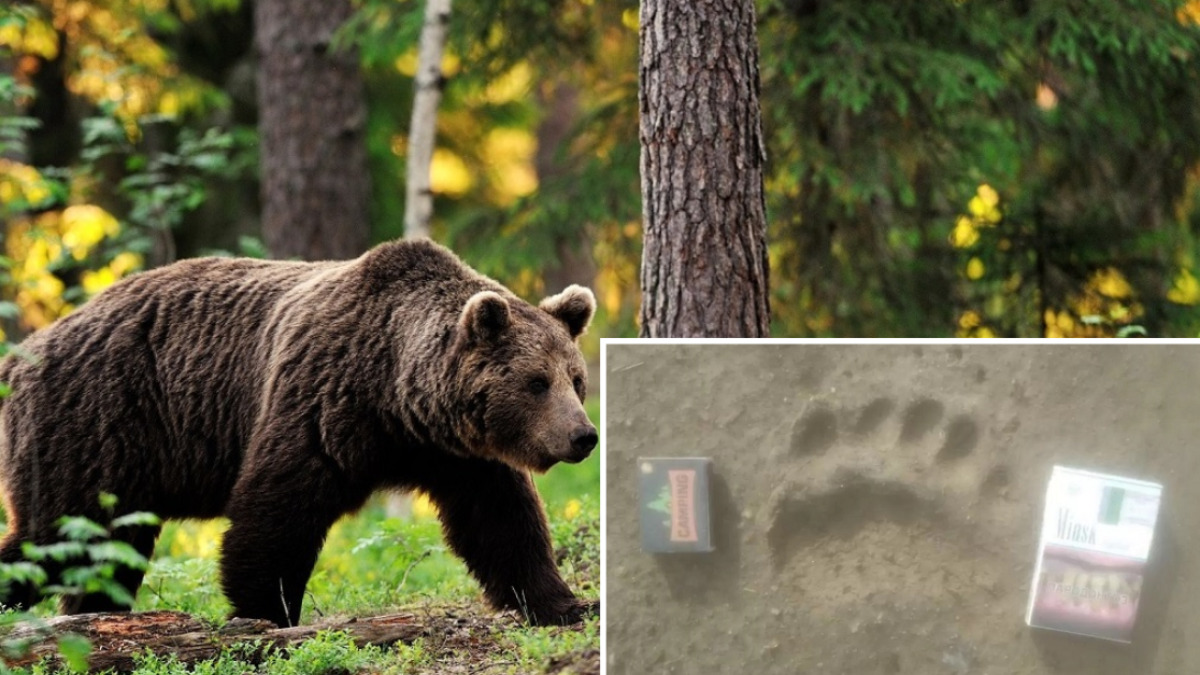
(375, 564)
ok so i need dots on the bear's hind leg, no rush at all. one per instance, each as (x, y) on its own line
(494, 521)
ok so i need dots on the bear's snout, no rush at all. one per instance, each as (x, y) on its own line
(583, 440)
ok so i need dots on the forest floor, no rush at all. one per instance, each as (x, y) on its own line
(876, 508)
(438, 639)
(446, 627)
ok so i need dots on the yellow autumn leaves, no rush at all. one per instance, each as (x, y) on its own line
(39, 245)
(983, 211)
(1106, 300)
(118, 62)
(42, 244)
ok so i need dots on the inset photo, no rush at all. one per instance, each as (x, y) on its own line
(869, 507)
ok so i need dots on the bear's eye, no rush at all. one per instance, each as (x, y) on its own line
(578, 382)
(539, 385)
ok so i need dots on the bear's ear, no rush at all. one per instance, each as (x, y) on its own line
(574, 307)
(485, 316)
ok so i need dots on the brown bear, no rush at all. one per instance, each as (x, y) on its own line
(282, 394)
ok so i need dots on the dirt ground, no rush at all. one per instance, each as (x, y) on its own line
(876, 508)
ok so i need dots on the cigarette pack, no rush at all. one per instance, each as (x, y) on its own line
(1097, 532)
(674, 504)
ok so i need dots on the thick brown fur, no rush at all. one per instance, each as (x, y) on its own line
(282, 394)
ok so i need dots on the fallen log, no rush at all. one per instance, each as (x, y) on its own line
(116, 638)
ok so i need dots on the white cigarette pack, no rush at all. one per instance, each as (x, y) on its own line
(1097, 532)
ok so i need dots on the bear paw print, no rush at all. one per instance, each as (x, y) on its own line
(890, 472)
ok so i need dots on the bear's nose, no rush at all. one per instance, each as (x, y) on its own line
(583, 440)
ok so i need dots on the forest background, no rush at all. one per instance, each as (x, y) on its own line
(933, 169)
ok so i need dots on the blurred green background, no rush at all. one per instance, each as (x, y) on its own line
(934, 169)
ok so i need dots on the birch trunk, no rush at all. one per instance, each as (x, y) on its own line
(418, 199)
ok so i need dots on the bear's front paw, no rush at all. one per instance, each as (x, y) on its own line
(565, 614)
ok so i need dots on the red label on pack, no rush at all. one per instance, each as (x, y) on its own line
(683, 504)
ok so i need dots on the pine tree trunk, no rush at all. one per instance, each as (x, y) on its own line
(312, 120)
(704, 262)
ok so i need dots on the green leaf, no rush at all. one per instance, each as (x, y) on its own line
(22, 572)
(108, 501)
(78, 528)
(58, 551)
(84, 579)
(115, 591)
(136, 518)
(119, 552)
(252, 247)
(75, 650)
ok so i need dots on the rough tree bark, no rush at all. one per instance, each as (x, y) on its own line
(704, 262)
(422, 133)
(312, 122)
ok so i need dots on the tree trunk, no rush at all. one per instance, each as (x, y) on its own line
(573, 262)
(704, 262)
(422, 133)
(116, 638)
(312, 123)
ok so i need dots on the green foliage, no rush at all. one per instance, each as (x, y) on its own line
(161, 187)
(89, 558)
(75, 650)
(329, 652)
(13, 128)
(21, 572)
(515, 69)
(379, 561)
(530, 648)
(882, 121)
(409, 658)
(232, 661)
(149, 176)
(184, 583)
(884, 118)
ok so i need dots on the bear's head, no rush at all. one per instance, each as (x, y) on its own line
(523, 378)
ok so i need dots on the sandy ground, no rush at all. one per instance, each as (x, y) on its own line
(876, 508)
